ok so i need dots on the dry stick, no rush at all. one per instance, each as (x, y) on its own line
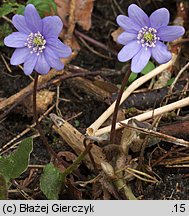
(175, 81)
(35, 115)
(147, 115)
(175, 161)
(124, 82)
(118, 7)
(184, 40)
(169, 153)
(170, 91)
(75, 72)
(178, 76)
(71, 22)
(94, 51)
(19, 96)
(75, 139)
(55, 81)
(2, 150)
(94, 127)
(13, 105)
(95, 42)
(6, 65)
(159, 135)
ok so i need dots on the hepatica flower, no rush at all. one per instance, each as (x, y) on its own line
(143, 37)
(36, 42)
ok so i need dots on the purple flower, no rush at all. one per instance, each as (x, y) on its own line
(36, 42)
(142, 36)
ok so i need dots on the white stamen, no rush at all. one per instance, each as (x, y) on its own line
(36, 43)
(147, 37)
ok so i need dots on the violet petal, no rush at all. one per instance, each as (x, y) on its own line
(16, 40)
(55, 63)
(127, 24)
(160, 53)
(42, 66)
(52, 59)
(60, 49)
(52, 26)
(128, 51)
(170, 33)
(29, 63)
(20, 24)
(19, 56)
(33, 19)
(159, 18)
(126, 37)
(138, 15)
(140, 60)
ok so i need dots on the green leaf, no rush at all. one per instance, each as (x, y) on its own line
(6, 9)
(77, 123)
(149, 67)
(20, 9)
(3, 188)
(16, 163)
(43, 7)
(12, 1)
(170, 81)
(51, 182)
(132, 77)
(5, 30)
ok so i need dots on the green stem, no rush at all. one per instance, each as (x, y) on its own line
(127, 190)
(74, 165)
(44, 139)
(123, 84)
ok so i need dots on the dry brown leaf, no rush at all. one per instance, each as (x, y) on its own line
(68, 155)
(82, 13)
(2, 99)
(116, 33)
(44, 99)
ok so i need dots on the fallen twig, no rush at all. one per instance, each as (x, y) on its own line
(159, 135)
(147, 115)
(94, 127)
(75, 140)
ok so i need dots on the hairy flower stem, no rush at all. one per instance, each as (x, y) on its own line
(76, 163)
(35, 115)
(123, 84)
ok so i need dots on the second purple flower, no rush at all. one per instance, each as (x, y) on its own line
(143, 37)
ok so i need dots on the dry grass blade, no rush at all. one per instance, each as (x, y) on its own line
(94, 127)
(147, 115)
(159, 135)
(141, 175)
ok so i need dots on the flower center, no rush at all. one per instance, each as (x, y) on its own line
(147, 37)
(36, 43)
